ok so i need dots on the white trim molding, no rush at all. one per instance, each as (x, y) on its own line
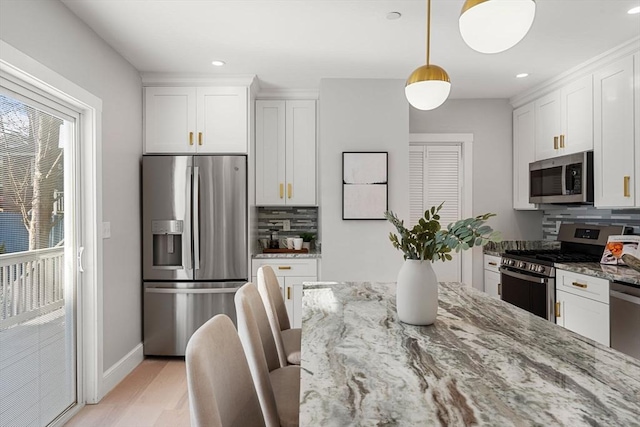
(24, 68)
(178, 80)
(580, 70)
(466, 141)
(121, 369)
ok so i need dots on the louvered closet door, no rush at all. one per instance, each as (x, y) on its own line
(435, 176)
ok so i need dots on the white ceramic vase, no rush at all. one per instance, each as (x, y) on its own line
(417, 293)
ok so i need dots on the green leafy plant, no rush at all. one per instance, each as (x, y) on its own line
(427, 240)
(307, 237)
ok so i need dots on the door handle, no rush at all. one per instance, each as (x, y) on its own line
(284, 267)
(281, 190)
(499, 289)
(492, 263)
(191, 291)
(579, 285)
(288, 292)
(190, 138)
(196, 218)
(561, 141)
(555, 142)
(558, 309)
(199, 138)
(80, 266)
(289, 190)
(627, 180)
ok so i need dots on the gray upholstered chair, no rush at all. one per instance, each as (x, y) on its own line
(288, 340)
(278, 387)
(221, 390)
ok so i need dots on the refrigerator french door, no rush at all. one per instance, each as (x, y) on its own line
(194, 221)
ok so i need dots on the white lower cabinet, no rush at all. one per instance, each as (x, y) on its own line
(291, 273)
(492, 275)
(582, 305)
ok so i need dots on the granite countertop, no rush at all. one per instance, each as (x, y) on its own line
(483, 362)
(498, 248)
(312, 254)
(609, 272)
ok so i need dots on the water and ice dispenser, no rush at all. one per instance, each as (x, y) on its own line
(167, 244)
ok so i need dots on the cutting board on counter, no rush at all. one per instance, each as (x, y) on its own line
(285, 251)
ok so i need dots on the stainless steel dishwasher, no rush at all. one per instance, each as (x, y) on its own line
(625, 318)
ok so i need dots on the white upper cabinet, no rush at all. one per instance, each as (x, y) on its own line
(564, 120)
(576, 105)
(286, 153)
(523, 154)
(616, 158)
(548, 127)
(196, 120)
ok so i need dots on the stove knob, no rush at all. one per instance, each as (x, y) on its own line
(541, 269)
(522, 264)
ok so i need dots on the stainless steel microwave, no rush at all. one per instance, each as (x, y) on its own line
(566, 179)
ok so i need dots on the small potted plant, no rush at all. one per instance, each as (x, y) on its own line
(426, 242)
(307, 238)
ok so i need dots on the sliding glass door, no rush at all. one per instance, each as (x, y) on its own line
(39, 242)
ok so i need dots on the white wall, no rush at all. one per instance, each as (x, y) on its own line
(361, 115)
(48, 32)
(490, 122)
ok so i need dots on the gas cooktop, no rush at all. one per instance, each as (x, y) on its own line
(549, 256)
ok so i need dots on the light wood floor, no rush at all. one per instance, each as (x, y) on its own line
(154, 394)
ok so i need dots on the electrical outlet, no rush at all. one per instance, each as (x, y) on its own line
(106, 230)
(286, 225)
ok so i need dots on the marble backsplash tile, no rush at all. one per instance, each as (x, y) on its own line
(552, 219)
(303, 219)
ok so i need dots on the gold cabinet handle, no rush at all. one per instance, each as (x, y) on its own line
(579, 285)
(284, 267)
(289, 292)
(190, 138)
(558, 309)
(627, 180)
(561, 141)
(555, 142)
(492, 263)
(281, 190)
(289, 190)
(500, 289)
(199, 138)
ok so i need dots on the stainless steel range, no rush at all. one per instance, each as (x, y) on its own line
(527, 277)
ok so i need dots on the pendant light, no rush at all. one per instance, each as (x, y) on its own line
(492, 26)
(428, 86)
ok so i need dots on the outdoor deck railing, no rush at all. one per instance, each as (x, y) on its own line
(31, 284)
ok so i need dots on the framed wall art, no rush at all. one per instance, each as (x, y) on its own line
(364, 184)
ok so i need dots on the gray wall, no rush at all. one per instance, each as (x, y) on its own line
(361, 115)
(490, 122)
(49, 33)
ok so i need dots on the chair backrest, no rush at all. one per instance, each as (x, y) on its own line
(269, 290)
(259, 346)
(268, 284)
(221, 389)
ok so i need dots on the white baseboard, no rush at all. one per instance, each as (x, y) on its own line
(121, 369)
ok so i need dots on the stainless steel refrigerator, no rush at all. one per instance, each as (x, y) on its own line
(194, 245)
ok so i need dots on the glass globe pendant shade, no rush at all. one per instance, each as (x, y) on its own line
(492, 26)
(427, 87)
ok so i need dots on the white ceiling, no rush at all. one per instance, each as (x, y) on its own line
(292, 44)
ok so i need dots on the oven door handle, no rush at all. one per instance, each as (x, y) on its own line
(526, 277)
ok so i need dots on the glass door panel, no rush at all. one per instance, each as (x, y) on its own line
(38, 361)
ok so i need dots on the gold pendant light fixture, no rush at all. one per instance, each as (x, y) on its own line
(429, 85)
(492, 26)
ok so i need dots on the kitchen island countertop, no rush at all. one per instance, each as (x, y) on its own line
(483, 362)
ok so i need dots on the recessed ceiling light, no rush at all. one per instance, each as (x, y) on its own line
(218, 63)
(634, 10)
(393, 16)
(522, 75)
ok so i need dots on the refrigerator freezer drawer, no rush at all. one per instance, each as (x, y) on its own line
(174, 311)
